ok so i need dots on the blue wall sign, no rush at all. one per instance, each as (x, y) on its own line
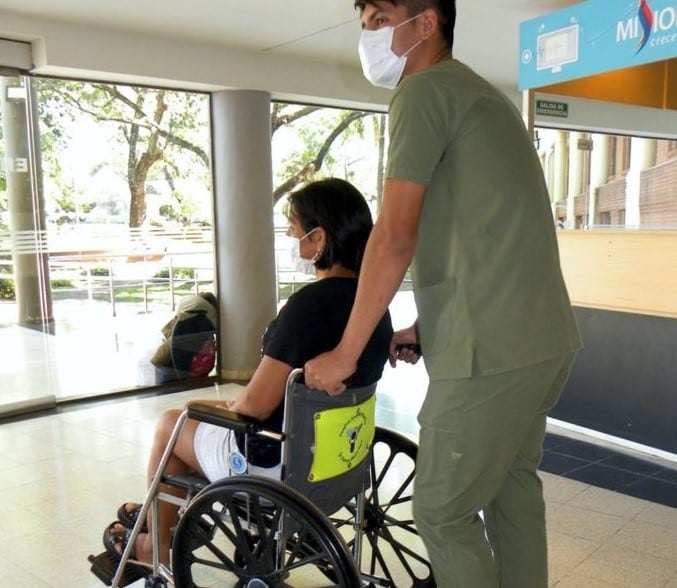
(594, 37)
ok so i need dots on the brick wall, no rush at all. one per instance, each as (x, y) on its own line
(665, 150)
(611, 203)
(658, 192)
(658, 195)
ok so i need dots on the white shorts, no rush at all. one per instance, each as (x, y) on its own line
(215, 446)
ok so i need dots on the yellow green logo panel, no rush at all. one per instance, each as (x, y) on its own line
(343, 437)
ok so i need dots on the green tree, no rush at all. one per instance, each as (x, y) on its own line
(155, 126)
(163, 134)
(318, 129)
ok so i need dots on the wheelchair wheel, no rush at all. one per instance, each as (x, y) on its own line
(392, 549)
(228, 536)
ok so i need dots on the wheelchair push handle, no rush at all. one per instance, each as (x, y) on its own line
(415, 347)
(293, 377)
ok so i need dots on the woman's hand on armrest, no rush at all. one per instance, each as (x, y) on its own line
(263, 393)
(227, 404)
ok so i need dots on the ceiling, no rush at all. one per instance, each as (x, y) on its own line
(324, 30)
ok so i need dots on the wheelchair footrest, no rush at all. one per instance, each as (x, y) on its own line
(105, 565)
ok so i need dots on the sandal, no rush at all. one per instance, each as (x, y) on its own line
(129, 517)
(112, 540)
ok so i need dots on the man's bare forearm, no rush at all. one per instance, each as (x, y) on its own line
(386, 260)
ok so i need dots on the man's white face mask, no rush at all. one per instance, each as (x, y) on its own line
(380, 65)
(305, 266)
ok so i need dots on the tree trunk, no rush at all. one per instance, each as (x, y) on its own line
(138, 167)
(137, 204)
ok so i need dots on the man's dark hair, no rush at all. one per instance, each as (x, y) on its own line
(340, 209)
(446, 9)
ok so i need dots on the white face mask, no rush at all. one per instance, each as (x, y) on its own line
(380, 65)
(305, 266)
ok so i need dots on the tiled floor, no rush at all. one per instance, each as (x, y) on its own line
(612, 520)
(606, 468)
(64, 475)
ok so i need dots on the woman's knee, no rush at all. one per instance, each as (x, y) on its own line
(165, 424)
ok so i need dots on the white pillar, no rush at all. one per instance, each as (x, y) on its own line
(529, 110)
(642, 156)
(244, 236)
(575, 182)
(599, 172)
(560, 170)
(25, 200)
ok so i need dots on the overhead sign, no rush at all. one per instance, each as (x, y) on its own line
(550, 108)
(594, 37)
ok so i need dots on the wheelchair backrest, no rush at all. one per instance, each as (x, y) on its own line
(328, 443)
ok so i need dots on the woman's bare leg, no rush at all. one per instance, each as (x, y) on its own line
(182, 461)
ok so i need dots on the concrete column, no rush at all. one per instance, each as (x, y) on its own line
(243, 192)
(561, 158)
(575, 183)
(599, 172)
(642, 156)
(546, 164)
(26, 203)
(529, 110)
(549, 168)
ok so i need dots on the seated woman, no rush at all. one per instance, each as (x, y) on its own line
(330, 223)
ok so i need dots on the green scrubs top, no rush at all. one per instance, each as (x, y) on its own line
(487, 279)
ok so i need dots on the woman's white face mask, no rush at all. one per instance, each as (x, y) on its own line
(305, 266)
(380, 65)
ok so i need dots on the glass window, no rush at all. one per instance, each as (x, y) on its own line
(628, 182)
(26, 315)
(121, 202)
(311, 142)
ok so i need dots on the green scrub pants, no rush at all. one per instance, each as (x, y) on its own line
(480, 445)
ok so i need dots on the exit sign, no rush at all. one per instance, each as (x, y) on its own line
(550, 108)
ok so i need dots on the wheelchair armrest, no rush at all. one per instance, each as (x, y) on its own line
(222, 417)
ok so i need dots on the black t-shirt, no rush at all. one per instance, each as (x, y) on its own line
(312, 322)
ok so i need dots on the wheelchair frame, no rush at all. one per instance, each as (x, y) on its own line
(393, 542)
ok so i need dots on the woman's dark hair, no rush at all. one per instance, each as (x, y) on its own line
(446, 9)
(341, 210)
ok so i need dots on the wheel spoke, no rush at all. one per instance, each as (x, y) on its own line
(248, 516)
(248, 527)
(395, 549)
(401, 550)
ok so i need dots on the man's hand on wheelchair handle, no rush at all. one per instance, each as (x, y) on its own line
(405, 346)
(328, 372)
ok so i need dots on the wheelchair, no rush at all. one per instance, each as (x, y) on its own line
(339, 515)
